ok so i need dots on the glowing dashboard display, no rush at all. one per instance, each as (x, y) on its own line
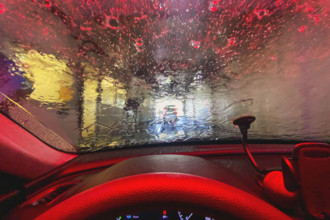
(163, 215)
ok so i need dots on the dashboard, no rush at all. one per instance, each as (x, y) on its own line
(92, 170)
(223, 164)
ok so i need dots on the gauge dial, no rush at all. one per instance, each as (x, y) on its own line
(184, 216)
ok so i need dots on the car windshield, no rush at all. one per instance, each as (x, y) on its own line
(100, 74)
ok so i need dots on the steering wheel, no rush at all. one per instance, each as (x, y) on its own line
(163, 188)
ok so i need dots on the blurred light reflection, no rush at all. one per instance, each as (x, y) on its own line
(89, 111)
(52, 79)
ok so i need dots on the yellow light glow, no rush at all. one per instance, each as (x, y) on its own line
(112, 92)
(52, 79)
(89, 107)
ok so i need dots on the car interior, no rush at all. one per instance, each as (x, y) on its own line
(164, 109)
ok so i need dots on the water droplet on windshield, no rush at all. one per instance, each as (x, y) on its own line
(195, 44)
(139, 44)
(112, 23)
(302, 28)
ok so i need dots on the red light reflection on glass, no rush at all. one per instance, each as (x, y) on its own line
(2, 9)
(261, 13)
(85, 28)
(231, 41)
(302, 28)
(48, 4)
(139, 42)
(112, 23)
(317, 18)
(213, 5)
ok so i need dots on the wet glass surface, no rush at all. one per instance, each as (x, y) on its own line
(120, 73)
